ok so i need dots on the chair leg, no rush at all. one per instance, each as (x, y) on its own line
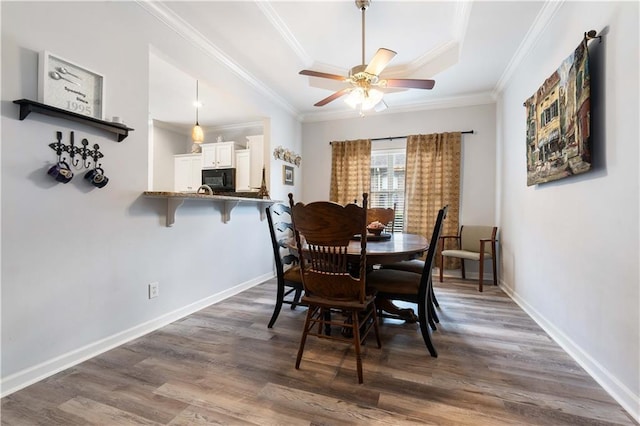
(441, 266)
(424, 321)
(435, 301)
(376, 329)
(481, 271)
(327, 319)
(464, 275)
(276, 310)
(433, 316)
(305, 330)
(296, 298)
(495, 271)
(356, 341)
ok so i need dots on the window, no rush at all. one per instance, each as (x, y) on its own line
(387, 181)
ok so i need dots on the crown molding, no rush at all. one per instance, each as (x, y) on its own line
(483, 98)
(186, 129)
(184, 29)
(461, 22)
(236, 126)
(547, 12)
(278, 23)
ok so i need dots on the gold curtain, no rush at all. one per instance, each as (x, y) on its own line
(432, 181)
(350, 170)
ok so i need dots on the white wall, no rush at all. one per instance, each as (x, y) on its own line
(76, 261)
(477, 203)
(570, 248)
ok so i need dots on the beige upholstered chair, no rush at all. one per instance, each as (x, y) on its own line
(476, 243)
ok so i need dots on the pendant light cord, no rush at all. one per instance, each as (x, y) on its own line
(197, 103)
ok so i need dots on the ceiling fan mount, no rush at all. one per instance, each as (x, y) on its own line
(363, 4)
(365, 78)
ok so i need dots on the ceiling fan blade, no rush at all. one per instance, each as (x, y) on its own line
(333, 97)
(409, 83)
(380, 60)
(312, 73)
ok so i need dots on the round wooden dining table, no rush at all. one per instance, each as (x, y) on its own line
(390, 248)
(385, 249)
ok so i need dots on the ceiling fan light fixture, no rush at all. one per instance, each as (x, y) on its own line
(364, 99)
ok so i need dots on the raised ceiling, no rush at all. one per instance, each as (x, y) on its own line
(467, 47)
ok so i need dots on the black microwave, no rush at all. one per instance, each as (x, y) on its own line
(220, 180)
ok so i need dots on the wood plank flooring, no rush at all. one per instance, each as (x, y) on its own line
(223, 366)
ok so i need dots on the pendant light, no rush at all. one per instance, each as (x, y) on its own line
(197, 134)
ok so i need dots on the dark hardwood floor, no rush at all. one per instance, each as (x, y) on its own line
(223, 366)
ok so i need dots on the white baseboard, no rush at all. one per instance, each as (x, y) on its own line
(34, 374)
(618, 391)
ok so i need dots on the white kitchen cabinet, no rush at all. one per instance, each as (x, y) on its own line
(249, 163)
(255, 145)
(243, 170)
(187, 172)
(219, 155)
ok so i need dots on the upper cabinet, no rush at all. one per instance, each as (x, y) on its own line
(219, 155)
(187, 172)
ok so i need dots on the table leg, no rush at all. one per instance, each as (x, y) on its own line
(406, 314)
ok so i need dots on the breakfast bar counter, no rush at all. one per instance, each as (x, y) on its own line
(228, 202)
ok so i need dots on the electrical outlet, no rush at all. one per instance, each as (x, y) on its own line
(154, 290)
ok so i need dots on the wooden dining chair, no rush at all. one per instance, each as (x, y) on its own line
(286, 262)
(386, 216)
(417, 266)
(395, 284)
(473, 242)
(326, 229)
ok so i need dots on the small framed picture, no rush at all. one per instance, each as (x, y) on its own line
(68, 86)
(287, 175)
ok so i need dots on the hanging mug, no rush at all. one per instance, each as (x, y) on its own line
(96, 177)
(61, 172)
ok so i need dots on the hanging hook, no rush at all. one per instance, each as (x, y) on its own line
(85, 153)
(58, 147)
(72, 150)
(96, 154)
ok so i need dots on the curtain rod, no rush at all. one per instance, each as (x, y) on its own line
(466, 132)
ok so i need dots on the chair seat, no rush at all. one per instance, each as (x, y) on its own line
(338, 304)
(293, 274)
(392, 281)
(416, 266)
(463, 254)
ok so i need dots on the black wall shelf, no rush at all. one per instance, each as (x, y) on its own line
(27, 106)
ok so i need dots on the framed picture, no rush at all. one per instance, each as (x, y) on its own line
(559, 122)
(68, 86)
(287, 175)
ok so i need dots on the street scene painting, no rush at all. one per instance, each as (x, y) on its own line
(559, 122)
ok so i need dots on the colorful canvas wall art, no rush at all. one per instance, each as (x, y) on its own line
(559, 122)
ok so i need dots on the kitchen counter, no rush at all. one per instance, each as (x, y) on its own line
(228, 201)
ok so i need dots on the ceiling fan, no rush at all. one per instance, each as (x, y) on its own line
(365, 79)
